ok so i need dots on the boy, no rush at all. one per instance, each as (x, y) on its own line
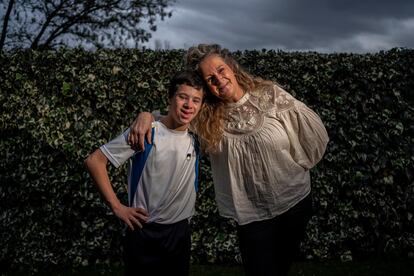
(162, 182)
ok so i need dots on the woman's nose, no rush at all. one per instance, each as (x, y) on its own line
(217, 79)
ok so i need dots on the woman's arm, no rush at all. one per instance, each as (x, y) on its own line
(139, 130)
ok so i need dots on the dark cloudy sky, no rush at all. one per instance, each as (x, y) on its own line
(305, 25)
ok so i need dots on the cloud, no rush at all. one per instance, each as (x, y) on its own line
(321, 25)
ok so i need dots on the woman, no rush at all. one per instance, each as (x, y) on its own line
(262, 143)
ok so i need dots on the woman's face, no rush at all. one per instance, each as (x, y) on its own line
(220, 79)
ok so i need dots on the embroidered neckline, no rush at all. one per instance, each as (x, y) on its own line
(242, 117)
(240, 102)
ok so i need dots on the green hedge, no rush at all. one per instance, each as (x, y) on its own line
(58, 106)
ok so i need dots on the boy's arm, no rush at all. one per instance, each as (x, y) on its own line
(96, 163)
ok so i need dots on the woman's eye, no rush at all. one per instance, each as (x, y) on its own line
(211, 80)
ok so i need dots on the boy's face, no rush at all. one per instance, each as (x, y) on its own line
(185, 104)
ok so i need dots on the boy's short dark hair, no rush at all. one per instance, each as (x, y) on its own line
(186, 77)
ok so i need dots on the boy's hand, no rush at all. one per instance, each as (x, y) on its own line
(131, 216)
(140, 128)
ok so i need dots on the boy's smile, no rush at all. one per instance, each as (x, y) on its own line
(184, 107)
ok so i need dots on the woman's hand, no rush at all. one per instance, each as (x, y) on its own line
(140, 128)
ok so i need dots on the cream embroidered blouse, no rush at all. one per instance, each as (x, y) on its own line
(270, 142)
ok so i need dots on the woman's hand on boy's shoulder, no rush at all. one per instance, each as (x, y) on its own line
(139, 130)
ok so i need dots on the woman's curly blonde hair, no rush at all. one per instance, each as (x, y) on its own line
(208, 125)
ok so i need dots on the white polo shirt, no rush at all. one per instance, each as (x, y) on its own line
(163, 178)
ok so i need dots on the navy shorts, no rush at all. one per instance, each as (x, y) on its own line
(158, 249)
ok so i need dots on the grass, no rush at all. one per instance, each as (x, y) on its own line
(373, 267)
(331, 268)
(308, 268)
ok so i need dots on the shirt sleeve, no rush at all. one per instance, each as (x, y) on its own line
(118, 151)
(306, 133)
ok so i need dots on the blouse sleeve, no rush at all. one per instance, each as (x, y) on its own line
(306, 133)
